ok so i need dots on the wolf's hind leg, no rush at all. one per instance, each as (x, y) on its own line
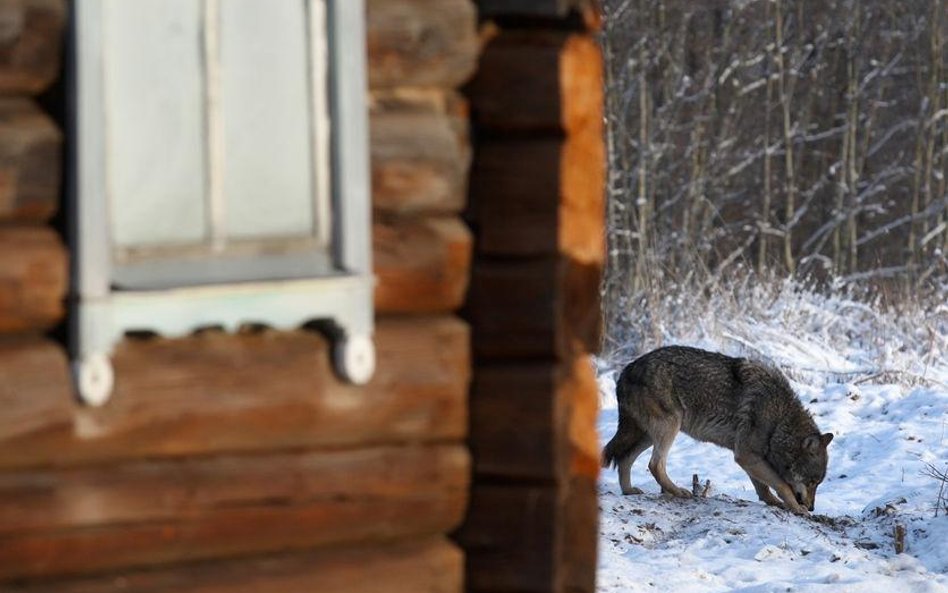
(628, 443)
(625, 466)
(663, 432)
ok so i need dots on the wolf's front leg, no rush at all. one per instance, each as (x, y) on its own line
(764, 494)
(758, 469)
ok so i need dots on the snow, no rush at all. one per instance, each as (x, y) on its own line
(887, 403)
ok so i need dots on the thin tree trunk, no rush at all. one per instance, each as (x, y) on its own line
(852, 130)
(934, 98)
(785, 100)
(642, 201)
(764, 220)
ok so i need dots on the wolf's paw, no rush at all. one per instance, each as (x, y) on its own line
(677, 492)
(632, 490)
(796, 508)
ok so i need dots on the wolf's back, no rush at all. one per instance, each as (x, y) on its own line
(684, 370)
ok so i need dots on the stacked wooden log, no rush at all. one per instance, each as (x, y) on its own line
(33, 266)
(239, 462)
(33, 260)
(536, 203)
(420, 51)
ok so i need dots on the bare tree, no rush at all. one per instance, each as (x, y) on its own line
(805, 138)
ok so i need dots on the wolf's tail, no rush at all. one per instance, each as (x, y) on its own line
(619, 447)
(627, 433)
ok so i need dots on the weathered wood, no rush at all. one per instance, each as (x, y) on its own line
(33, 279)
(583, 392)
(537, 209)
(421, 42)
(577, 15)
(535, 421)
(515, 197)
(531, 539)
(420, 100)
(581, 526)
(518, 422)
(532, 424)
(35, 394)
(510, 539)
(428, 566)
(216, 393)
(541, 8)
(30, 162)
(537, 308)
(420, 159)
(82, 520)
(540, 197)
(31, 34)
(539, 81)
(421, 265)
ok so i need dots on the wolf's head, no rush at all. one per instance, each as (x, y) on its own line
(806, 470)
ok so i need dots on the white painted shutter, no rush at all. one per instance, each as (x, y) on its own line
(155, 149)
(217, 126)
(267, 164)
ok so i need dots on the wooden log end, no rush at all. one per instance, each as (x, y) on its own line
(421, 265)
(31, 33)
(535, 421)
(421, 43)
(561, 524)
(546, 307)
(541, 197)
(579, 383)
(30, 163)
(539, 81)
(33, 279)
(420, 161)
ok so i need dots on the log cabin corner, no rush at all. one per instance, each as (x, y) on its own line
(253, 454)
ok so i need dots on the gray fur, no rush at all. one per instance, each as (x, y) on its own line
(736, 403)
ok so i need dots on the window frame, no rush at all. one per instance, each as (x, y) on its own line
(347, 144)
(342, 293)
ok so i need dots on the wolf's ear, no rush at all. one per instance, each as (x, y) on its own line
(826, 439)
(811, 443)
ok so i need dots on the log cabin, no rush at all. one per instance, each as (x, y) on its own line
(299, 297)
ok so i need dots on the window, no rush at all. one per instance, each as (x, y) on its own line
(221, 176)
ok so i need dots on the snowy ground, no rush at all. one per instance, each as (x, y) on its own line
(887, 431)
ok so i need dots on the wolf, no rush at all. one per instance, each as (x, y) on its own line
(736, 403)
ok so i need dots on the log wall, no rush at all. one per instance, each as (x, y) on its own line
(238, 462)
(536, 205)
(33, 260)
(420, 53)
(428, 565)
